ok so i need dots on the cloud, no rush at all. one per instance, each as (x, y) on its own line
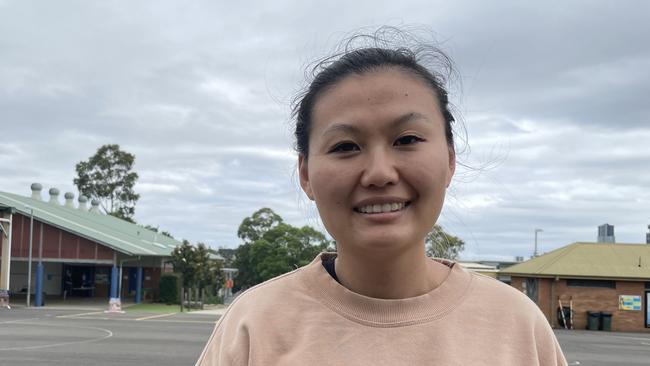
(553, 98)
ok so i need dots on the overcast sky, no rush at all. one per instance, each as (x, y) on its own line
(554, 98)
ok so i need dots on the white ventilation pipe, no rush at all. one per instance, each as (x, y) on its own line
(54, 196)
(69, 199)
(83, 203)
(36, 191)
(95, 206)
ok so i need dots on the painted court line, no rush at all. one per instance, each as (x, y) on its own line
(182, 321)
(18, 320)
(635, 338)
(80, 314)
(155, 316)
(97, 318)
(107, 334)
(147, 320)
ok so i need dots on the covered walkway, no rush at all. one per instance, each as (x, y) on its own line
(72, 252)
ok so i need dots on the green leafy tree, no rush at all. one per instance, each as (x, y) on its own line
(245, 263)
(278, 248)
(261, 221)
(285, 248)
(251, 229)
(108, 177)
(439, 244)
(196, 267)
(184, 259)
(208, 270)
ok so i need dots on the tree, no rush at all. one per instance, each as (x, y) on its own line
(261, 221)
(245, 264)
(208, 270)
(277, 247)
(196, 267)
(439, 244)
(108, 177)
(184, 260)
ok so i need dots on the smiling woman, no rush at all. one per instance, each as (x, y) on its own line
(381, 135)
(376, 154)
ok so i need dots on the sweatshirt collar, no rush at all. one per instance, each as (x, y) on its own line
(386, 312)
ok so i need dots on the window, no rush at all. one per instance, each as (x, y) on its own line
(505, 279)
(591, 283)
(531, 286)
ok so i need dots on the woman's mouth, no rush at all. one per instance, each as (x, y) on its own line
(378, 208)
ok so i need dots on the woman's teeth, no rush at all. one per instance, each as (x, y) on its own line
(381, 208)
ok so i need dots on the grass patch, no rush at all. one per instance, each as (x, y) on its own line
(153, 308)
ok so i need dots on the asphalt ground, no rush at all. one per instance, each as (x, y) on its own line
(594, 348)
(74, 337)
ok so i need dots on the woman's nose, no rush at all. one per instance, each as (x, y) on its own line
(379, 169)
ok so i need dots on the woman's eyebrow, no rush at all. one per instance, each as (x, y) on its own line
(341, 127)
(397, 122)
(406, 118)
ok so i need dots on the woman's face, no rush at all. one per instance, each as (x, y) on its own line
(378, 162)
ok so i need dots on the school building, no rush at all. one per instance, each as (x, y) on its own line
(76, 251)
(608, 278)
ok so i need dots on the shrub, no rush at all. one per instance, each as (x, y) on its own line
(169, 284)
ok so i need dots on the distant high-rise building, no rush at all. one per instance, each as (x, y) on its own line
(647, 236)
(606, 233)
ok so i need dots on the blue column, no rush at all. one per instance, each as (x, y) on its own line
(138, 286)
(114, 282)
(38, 300)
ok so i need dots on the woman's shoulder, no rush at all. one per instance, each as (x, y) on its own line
(499, 296)
(269, 290)
(255, 312)
(283, 292)
(488, 289)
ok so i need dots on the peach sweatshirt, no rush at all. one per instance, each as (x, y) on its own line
(305, 317)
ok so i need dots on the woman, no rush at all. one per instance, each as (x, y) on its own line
(376, 154)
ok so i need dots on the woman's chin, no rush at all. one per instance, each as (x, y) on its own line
(385, 242)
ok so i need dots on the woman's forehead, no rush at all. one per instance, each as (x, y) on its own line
(396, 78)
(387, 94)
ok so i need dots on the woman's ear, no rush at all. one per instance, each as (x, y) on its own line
(452, 165)
(304, 176)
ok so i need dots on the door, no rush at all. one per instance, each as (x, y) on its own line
(647, 309)
(133, 274)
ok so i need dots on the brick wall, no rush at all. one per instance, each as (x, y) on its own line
(590, 299)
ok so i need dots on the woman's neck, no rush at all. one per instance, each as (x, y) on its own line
(396, 276)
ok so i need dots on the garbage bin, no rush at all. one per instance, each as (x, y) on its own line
(593, 320)
(567, 317)
(606, 321)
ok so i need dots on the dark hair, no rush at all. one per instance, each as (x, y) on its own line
(354, 60)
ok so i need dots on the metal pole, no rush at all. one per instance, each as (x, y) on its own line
(7, 250)
(536, 231)
(119, 287)
(29, 263)
(182, 296)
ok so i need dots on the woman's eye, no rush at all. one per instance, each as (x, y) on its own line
(408, 140)
(344, 147)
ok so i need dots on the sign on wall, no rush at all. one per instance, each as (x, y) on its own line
(629, 302)
(101, 278)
